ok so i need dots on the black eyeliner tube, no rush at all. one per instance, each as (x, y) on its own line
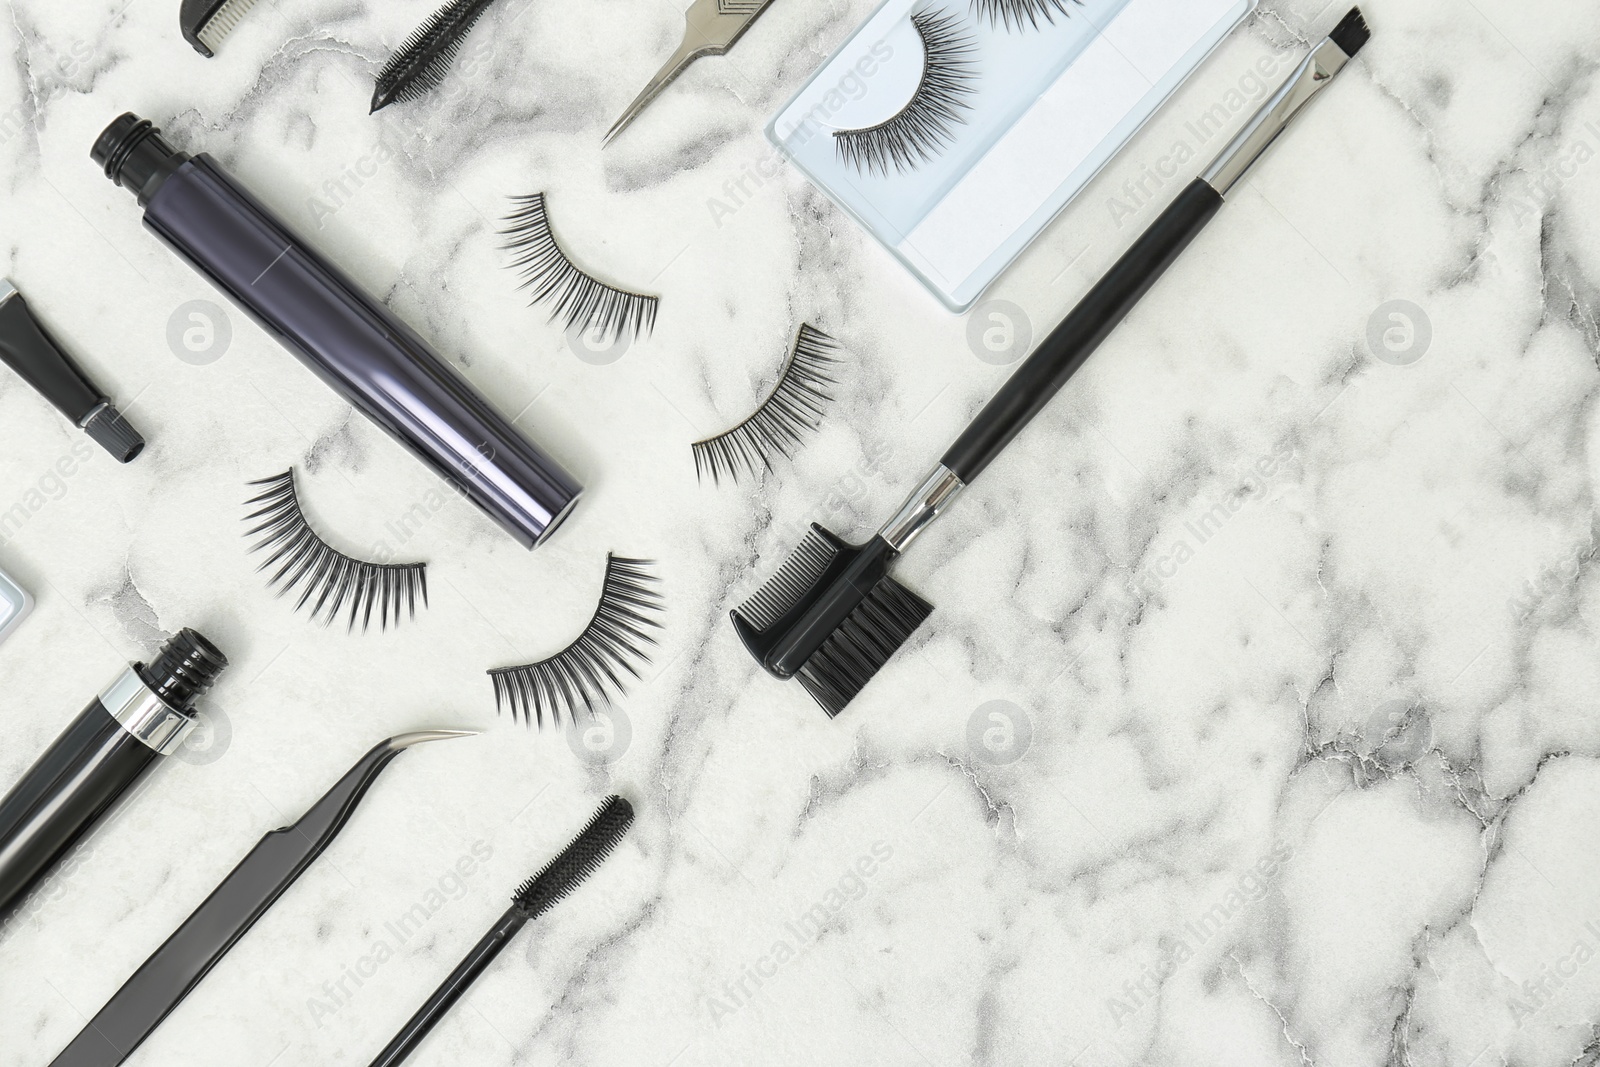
(26, 348)
(351, 340)
(145, 713)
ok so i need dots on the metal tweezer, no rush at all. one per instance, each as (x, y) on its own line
(710, 28)
(227, 915)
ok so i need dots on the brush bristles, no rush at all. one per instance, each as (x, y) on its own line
(797, 577)
(577, 861)
(220, 24)
(421, 63)
(1352, 34)
(862, 644)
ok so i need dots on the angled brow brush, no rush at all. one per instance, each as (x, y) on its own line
(534, 897)
(832, 616)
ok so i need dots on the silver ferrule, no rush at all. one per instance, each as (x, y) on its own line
(1312, 76)
(94, 412)
(145, 715)
(921, 508)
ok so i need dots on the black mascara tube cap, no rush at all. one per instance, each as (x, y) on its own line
(133, 154)
(348, 337)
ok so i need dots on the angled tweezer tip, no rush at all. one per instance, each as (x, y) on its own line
(419, 737)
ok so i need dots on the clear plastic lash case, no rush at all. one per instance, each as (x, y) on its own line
(1051, 104)
(15, 604)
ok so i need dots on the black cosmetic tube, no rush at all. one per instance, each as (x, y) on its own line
(347, 337)
(26, 348)
(145, 713)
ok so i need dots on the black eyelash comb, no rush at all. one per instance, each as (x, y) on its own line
(927, 123)
(578, 298)
(581, 673)
(420, 64)
(206, 22)
(832, 616)
(334, 578)
(533, 898)
(793, 408)
(1011, 12)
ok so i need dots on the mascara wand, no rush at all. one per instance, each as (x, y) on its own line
(533, 898)
(832, 617)
(422, 62)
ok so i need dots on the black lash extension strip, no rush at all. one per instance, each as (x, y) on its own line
(420, 64)
(335, 579)
(583, 672)
(1010, 13)
(793, 409)
(576, 297)
(926, 125)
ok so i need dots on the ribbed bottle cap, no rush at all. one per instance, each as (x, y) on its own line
(133, 154)
(111, 432)
(184, 669)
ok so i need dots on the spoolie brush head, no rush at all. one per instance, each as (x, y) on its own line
(831, 617)
(421, 63)
(577, 861)
(1352, 34)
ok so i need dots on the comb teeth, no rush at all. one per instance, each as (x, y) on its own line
(797, 577)
(862, 644)
(222, 22)
(577, 861)
(1352, 34)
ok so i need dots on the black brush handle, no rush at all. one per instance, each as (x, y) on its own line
(1060, 355)
(452, 988)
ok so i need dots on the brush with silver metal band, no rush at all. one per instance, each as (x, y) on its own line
(832, 617)
(29, 350)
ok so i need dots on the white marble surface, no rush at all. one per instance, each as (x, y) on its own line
(1227, 841)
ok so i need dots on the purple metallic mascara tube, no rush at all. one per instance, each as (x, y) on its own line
(347, 337)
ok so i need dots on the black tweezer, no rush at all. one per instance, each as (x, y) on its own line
(228, 913)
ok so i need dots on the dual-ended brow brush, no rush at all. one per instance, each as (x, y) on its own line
(832, 616)
(535, 897)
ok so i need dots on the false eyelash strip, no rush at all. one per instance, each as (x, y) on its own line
(335, 579)
(420, 64)
(926, 125)
(780, 423)
(1012, 12)
(581, 673)
(577, 297)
